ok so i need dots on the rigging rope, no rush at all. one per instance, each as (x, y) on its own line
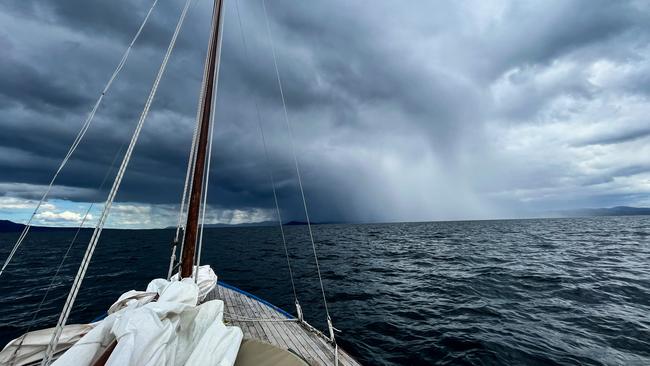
(206, 171)
(190, 164)
(111, 196)
(188, 183)
(65, 256)
(78, 138)
(187, 188)
(270, 172)
(242, 318)
(297, 168)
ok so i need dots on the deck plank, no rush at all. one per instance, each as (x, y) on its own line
(267, 326)
(323, 346)
(296, 331)
(240, 310)
(287, 335)
(272, 338)
(295, 337)
(248, 312)
(232, 309)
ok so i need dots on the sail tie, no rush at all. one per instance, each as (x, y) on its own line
(111, 196)
(78, 138)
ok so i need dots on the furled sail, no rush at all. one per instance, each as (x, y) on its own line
(165, 325)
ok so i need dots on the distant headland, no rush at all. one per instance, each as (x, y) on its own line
(612, 211)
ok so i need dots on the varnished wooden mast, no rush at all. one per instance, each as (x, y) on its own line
(191, 228)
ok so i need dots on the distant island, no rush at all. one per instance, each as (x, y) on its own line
(245, 224)
(612, 211)
(7, 226)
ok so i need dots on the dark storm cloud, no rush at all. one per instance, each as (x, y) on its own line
(24, 82)
(546, 31)
(399, 112)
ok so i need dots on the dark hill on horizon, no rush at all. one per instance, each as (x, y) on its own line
(612, 211)
(7, 226)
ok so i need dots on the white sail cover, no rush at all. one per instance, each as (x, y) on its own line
(173, 330)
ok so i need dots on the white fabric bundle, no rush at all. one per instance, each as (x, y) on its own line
(173, 330)
(206, 280)
(170, 331)
(30, 347)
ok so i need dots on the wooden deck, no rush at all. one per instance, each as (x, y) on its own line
(241, 308)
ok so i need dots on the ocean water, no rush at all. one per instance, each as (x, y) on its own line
(512, 292)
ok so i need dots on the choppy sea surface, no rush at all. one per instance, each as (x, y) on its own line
(511, 292)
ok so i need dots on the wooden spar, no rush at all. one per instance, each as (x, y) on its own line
(192, 225)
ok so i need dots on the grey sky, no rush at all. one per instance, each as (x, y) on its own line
(401, 111)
